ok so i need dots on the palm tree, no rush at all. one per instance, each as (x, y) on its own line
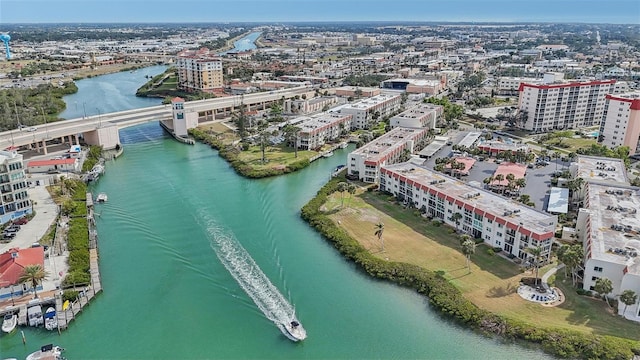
(536, 254)
(456, 219)
(291, 134)
(511, 181)
(342, 187)
(488, 180)
(351, 189)
(628, 297)
(468, 248)
(34, 274)
(603, 286)
(378, 233)
(499, 178)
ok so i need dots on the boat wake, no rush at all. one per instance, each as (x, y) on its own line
(252, 280)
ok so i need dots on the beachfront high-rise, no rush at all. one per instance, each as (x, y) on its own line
(199, 70)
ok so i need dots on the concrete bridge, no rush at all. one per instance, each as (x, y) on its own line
(104, 129)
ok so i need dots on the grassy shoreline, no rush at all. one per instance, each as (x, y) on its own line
(445, 297)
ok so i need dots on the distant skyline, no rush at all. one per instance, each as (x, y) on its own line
(180, 11)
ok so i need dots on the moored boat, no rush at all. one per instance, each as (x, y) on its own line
(328, 154)
(9, 323)
(34, 314)
(294, 330)
(344, 145)
(50, 319)
(102, 197)
(48, 352)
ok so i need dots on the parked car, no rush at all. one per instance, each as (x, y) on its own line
(21, 221)
(8, 236)
(12, 228)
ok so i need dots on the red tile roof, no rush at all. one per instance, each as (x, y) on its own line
(51, 162)
(177, 99)
(11, 266)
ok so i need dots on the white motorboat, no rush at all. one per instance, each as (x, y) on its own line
(47, 352)
(344, 145)
(294, 330)
(102, 197)
(50, 319)
(34, 315)
(329, 154)
(9, 323)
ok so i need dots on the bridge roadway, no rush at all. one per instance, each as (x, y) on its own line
(123, 119)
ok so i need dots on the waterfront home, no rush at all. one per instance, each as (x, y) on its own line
(12, 264)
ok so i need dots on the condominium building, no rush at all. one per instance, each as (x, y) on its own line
(575, 105)
(15, 200)
(365, 112)
(609, 228)
(498, 221)
(199, 70)
(509, 85)
(423, 115)
(388, 149)
(621, 123)
(316, 130)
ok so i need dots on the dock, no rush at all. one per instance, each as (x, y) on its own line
(86, 294)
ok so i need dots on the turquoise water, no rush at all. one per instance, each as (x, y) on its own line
(168, 296)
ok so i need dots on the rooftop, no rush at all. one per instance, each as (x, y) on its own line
(615, 224)
(419, 111)
(369, 103)
(518, 171)
(470, 139)
(385, 144)
(321, 120)
(558, 200)
(600, 170)
(510, 210)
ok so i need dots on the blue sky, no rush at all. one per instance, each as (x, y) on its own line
(53, 11)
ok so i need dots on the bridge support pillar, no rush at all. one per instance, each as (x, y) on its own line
(77, 141)
(44, 147)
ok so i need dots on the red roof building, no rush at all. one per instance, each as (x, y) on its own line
(13, 262)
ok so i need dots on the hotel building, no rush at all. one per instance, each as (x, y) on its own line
(365, 110)
(420, 116)
(388, 149)
(15, 200)
(199, 70)
(621, 123)
(316, 130)
(498, 221)
(563, 106)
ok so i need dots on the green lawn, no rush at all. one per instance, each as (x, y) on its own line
(275, 156)
(493, 280)
(574, 143)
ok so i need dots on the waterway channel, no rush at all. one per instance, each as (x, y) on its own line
(168, 296)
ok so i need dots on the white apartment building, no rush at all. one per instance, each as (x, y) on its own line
(421, 116)
(621, 123)
(563, 106)
(364, 111)
(15, 200)
(498, 221)
(316, 130)
(509, 85)
(388, 149)
(609, 228)
(199, 70)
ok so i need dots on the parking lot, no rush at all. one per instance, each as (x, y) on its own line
(538, 178)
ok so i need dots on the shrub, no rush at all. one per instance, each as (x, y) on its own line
(490, 252)
(69, 295)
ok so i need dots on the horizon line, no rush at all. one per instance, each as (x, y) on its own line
(469, 22)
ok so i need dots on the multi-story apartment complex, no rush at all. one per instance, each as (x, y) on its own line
(388, 149)
(621, 123)
(510, 85)
(563, 106)
(365, 112)
(423, 115)
(13, 186)
(608, 227)
(318, 129)
(199, 70)
(499, 222)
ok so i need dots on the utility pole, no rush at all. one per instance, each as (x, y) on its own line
(15, 106)
(46, 128)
